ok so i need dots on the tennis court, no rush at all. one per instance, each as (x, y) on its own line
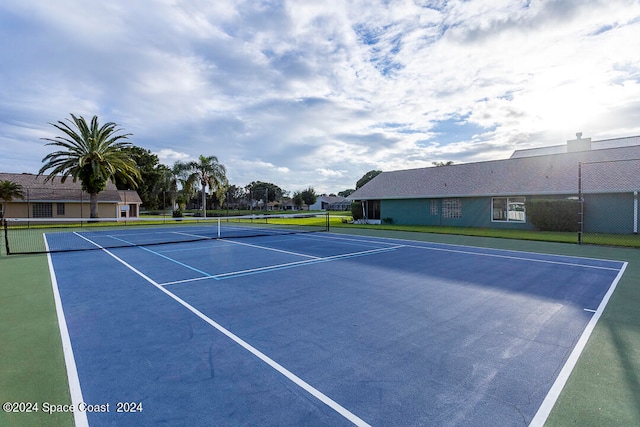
(321, 329)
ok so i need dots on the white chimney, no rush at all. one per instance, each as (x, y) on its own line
(578, 144)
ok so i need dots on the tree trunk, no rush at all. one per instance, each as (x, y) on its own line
(204, 203)
(93, 205)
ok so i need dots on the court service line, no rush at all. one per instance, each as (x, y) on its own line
(257, 353)
(207, 275)
(552, 396)
(273, 249)
(80, 417)
(242, 272)
(300, 263)
(258, 270)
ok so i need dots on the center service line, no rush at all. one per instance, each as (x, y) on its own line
(266, 359)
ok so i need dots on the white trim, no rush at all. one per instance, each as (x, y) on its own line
(507, 198)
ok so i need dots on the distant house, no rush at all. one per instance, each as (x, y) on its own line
(494, 193)
(329, 203)
(56, 199)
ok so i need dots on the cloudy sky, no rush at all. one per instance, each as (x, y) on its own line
(317, 92)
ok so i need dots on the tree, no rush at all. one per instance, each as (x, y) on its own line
(448, 163)
(9, 190)
(297, 199)
(235, 195)
(152, 176)
(259, 189)
(367, 177)
(309, 196)
(176, 184)
(209, 172)
(91, 153)
(346, 193)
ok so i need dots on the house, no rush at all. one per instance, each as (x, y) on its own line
(494, 193)
(329, 203)
(57, 199)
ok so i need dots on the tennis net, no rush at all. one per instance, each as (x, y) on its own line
(42, 235)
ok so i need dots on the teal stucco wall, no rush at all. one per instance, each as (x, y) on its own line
(476, 212)
(609, 213)
(604, 213)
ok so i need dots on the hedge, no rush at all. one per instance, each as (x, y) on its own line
(356, 210)
(554, 214)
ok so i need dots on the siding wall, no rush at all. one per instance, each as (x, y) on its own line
(604, 213)
(19, 209)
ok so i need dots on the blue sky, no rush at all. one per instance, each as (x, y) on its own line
(303, 93)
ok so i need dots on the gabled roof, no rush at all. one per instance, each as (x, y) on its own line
(330, 199)
(129, 196)
(540, 175)
(35, 189)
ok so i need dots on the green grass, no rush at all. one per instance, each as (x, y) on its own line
(32, 365)
(626, 240)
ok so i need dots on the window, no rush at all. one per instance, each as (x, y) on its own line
(60, 209)
(433, 207)
(373, 209)
(42, 210)
(508, 209)
(451, 208)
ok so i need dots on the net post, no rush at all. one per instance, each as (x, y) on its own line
(581, 202)
(218, 228)
(327, 226)
(6, 236)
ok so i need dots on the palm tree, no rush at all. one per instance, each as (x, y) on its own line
(8, 191)
(209, 172)
(91, 153)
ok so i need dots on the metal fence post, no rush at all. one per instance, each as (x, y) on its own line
(581, 201)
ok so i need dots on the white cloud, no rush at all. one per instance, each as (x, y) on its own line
(318, 93)
(169, 156)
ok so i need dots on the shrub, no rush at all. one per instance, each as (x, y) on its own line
(387, 220)
(554, 214)
(356, 211)
(177, 213)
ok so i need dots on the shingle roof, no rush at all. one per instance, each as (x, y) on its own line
(331, 199)
(35, 189)
(543, 175)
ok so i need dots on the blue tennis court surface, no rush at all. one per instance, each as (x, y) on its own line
(322, 329)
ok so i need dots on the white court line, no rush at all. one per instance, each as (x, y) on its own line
(75, 391)
(257, 353)
(276, 267)
(467, 252)
(204, 273)
(272, 249)
(543, 261)
(299, 263)
(552, 396)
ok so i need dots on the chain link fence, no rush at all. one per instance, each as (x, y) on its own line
(608, 192)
